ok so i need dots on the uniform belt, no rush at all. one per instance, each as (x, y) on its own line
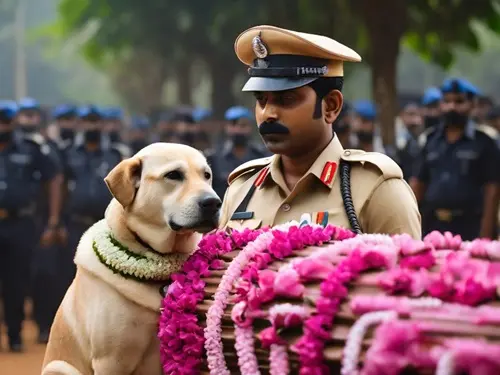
(6, 213)
(82, 219)
(447, 215)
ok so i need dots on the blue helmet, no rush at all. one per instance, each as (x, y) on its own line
(238, 112)
(365, 109)
(431, 96)
(28, 104)
(139, 123)
(90, 111)
(64, 110)
(200, 114)
(8, 109)
(459, 85)
(113, 113)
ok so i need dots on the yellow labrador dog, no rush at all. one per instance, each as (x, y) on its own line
(107, 322)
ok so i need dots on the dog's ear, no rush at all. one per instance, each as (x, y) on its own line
(123, 180)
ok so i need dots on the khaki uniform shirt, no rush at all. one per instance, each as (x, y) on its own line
(383, 201)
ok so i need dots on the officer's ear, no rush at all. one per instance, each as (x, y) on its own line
(123, 180)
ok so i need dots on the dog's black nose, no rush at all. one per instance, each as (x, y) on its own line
(210, 203)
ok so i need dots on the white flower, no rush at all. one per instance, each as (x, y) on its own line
(145, 266)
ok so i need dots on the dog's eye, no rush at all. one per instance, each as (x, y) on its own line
(174, 175)
(207, 175)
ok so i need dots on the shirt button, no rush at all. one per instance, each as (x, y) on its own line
(286, 207)
(347, 153)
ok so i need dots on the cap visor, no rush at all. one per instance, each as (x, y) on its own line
(275, 84)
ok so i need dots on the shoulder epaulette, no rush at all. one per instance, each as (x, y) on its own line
(422, 138)
(488, 130)
(388, 167)
(252, 165)
(40, 141)
(122, 149)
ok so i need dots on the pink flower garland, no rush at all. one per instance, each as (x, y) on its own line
(181, 337)
(270, 284)
(400, 344)
(460, 279)
(213, 330)
(317, 329)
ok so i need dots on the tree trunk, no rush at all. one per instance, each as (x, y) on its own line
(222, 73)
(140, 80)
(183, 78)
(384, 44)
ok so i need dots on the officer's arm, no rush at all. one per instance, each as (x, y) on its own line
(490, 173)
(50, 167)
(392, 209)
(224, 211)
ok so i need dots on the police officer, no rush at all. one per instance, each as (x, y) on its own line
(113, 124)
(26, 164)
(203, 117)
(87, 198)
(30, 121)
(364, 126)
(457, 175)
(430, 110)
(237, 149)
(297, 81)
(407, 143)
(185, 128)
(138, 133)
(164, 129)
(65, 117)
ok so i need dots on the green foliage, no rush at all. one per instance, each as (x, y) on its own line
(436, 27)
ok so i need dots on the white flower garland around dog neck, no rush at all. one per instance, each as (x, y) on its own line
(146, 266)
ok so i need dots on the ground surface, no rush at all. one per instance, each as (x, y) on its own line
(27, 363)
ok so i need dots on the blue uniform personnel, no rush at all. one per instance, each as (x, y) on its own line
(236, 150)
(138, 135)
(87, 194)
(458, 168)
(25, 165)
(113, 117)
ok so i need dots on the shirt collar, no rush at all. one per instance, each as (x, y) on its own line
(469, 130)
(324, 168)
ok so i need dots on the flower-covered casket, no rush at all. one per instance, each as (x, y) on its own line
(321, 300)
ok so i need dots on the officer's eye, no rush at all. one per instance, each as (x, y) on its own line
(260, 97)
(174, 175)
(207, 175)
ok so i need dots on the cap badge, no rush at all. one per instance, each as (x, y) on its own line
(259, 48)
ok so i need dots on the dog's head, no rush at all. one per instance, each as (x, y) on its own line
(167, 185)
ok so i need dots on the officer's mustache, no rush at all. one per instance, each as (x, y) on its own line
(273, 127)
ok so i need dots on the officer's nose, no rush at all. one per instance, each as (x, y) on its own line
(210, 204)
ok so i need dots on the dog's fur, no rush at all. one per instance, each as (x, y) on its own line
(107, 324)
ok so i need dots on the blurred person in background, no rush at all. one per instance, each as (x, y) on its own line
(203, 117)
(238, 147)
(407, 148)
(113, 127)
(456, 176)
(65, 119)
(27, 165)
(430, 110)
(364, 128)
(185, 127)
(342, 126)
(87, 194)
(138, 134)
(164, 129)
(482, 106)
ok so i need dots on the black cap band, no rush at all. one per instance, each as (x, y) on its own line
(289, 66)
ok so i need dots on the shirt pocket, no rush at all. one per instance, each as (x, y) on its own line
(244, 224)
